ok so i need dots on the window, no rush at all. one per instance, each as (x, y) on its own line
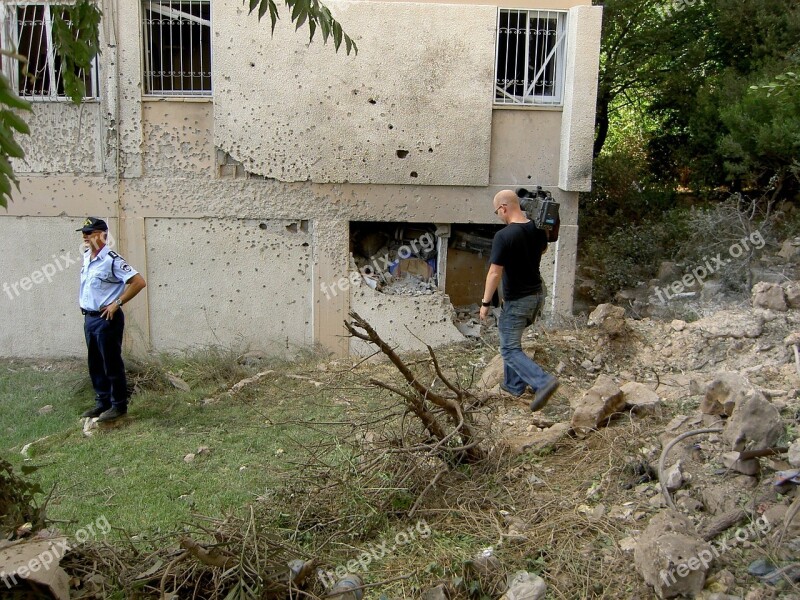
(177, 47)
(28, 28)
(530, 57)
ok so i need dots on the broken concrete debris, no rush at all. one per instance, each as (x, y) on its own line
(597, 405)
(671, 557)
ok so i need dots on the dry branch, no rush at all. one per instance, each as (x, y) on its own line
(451, 403)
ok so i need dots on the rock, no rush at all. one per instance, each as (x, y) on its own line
(678, 325)
(689, 504)
(46, 409)
(674, 477)
(538, 441)
(671, 557)
(89, 426)
(711, 289)
(488, 570)
(609, 319)
(794, 454)
(724, 392)
(769, 295)
(437, 593)
(754, 425)
(789, 249)
(492, 374)
(792, 292)
(178, 383)
(749, 466)
(470, 328)
(525, 586)
(730, 323)
(641, 399)
(599, 402)
(189, 457)
(35, 563)
(718, 499)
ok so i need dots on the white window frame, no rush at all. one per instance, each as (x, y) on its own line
(529, 84)
(148, 77)
(9, 25)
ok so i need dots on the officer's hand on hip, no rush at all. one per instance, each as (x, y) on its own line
(107, 312)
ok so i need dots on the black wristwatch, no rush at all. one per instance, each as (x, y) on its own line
(485, 303)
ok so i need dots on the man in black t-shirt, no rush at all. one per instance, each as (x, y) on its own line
(516, 253)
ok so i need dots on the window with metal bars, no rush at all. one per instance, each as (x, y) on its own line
(177, 47)
(529, 68)
(27, 29)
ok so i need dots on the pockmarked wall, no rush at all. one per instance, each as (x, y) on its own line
(66, 139)
(40, 267)
(415, 105)
(239, 283)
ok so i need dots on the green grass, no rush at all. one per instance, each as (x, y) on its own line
(135, 476)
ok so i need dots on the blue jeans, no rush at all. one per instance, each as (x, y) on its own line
(106, 369)
(519, 371)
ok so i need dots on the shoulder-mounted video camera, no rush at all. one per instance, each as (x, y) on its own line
(541, 209)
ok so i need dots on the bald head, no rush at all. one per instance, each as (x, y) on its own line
(506, 197)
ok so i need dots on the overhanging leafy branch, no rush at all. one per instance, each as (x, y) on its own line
(312, 12)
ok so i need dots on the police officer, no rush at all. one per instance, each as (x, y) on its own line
(107, 282)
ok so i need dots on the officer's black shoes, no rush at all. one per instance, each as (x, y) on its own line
(111, 414)
(543, 394)
(93, 412)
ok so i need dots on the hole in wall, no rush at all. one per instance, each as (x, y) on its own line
(395, 258)
(402, 153)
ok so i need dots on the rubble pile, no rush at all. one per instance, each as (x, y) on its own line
(714, 502)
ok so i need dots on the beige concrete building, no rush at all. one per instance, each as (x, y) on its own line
(237, 170)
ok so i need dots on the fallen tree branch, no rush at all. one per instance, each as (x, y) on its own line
(450, 404)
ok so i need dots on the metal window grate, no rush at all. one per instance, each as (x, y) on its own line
(530, 57)
(28, 28)
(177, 44)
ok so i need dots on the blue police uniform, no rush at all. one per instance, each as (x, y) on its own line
(103, 279)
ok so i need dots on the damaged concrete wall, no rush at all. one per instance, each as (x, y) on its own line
(398, 319)
(294, 116)
(525, 147)
(67, 139)
(40, 263)
(178, 138)
(240, 283)
(413, 107)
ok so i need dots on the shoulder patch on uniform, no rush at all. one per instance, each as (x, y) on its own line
(113, 254)
(126, 267)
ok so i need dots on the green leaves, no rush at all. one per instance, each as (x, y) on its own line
(780, 84)
(76, 37)
(10, 123)
(310, 12)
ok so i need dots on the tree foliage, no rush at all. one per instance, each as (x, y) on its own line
(705, 76)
